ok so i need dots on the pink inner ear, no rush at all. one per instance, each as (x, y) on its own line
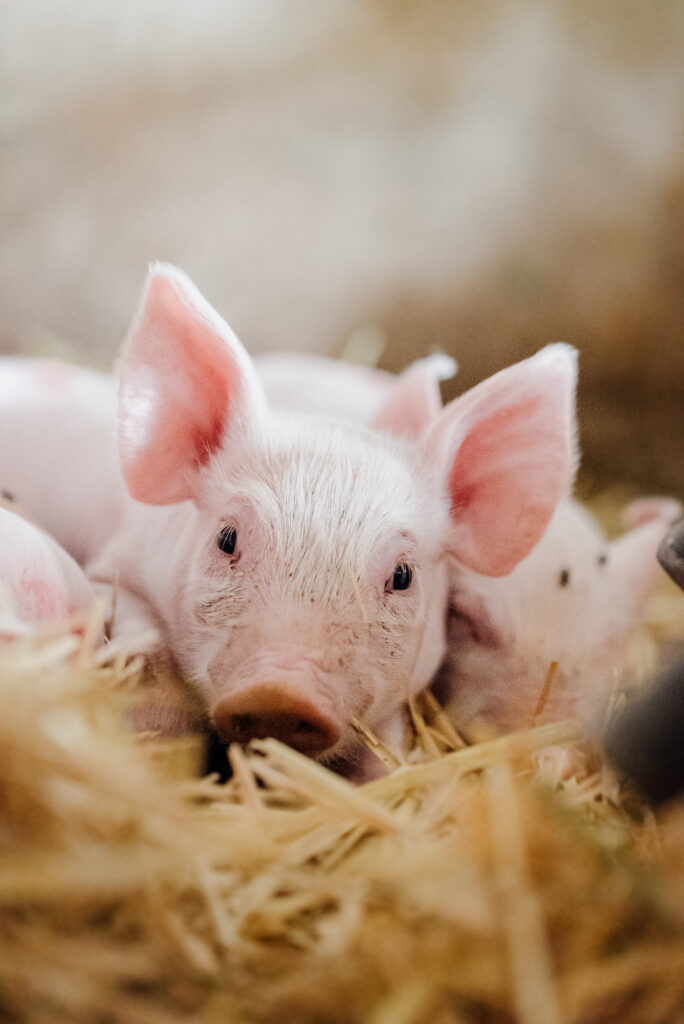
(646, 510)
(181, 376)
(509, 448)
(504, 489)
(176, 445)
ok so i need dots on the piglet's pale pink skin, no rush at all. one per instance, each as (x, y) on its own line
(39, 582)
(294, 565)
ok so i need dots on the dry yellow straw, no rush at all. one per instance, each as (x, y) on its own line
(318, 783)
(472, 759)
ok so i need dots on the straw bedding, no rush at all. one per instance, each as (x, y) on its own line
(460, 888)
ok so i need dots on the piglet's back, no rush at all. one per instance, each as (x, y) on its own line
(57, 449)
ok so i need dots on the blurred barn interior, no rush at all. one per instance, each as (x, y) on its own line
(477, 177)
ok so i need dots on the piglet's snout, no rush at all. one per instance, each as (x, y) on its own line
(271, 709)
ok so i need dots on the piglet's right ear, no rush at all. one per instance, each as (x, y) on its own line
(506, 452)
(184, 382)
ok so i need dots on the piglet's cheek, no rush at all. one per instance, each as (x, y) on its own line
(470, 621)
(37, 600)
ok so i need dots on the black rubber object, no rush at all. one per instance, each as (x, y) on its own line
(646, 740)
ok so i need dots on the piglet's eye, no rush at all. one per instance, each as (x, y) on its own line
(401, 577)
(227, 540)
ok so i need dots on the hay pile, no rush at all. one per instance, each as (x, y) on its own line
(459, 889)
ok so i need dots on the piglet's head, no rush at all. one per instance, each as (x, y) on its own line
(302, 583)
(558, 635)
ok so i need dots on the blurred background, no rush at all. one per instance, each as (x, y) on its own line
(481, 178)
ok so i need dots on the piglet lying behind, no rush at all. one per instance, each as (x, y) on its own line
(552, 639)
(293, 565)
(403, 404)
(39, 582)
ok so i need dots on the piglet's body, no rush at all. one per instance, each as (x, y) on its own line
(39, 582)
(294, 566)
(58, 450)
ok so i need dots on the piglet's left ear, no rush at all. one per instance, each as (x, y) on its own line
(506, 450)
(414, 400)
(185, 381)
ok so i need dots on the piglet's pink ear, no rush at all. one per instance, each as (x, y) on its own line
(507, 449)
(184, 381)
(415, 402)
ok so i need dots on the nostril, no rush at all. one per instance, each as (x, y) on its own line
(243, 725)
(309, 735)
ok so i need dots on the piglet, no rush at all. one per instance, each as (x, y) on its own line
(552, 639)
(404, 404)
(293, 565)
(39, 582)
